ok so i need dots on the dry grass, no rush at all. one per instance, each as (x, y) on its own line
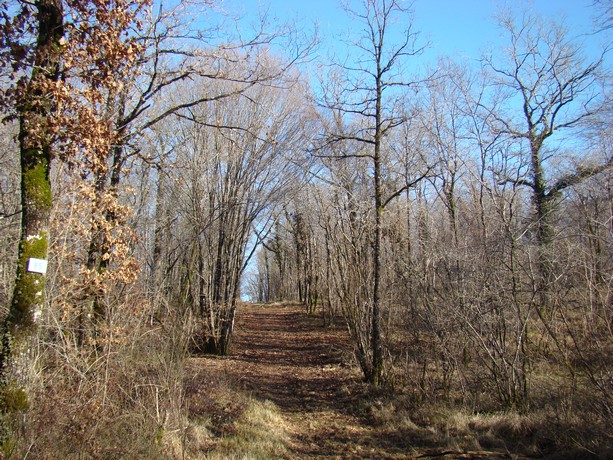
(225, 422)
(392, 423)
(538, 433)
(142, 402)
(260, 433)
(107, 403)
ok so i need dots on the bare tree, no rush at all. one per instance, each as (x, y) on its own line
(370, 95)
(239, 158)
(169, 50)
(604, 20)
(9, 211)
(550, 88)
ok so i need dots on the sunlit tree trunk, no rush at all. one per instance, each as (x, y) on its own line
(35, 143)
(369, 101)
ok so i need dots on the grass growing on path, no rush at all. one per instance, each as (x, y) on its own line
(289, 389)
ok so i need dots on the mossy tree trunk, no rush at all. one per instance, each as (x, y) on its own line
(544, 205)
(35, 151)
(556, 87)
(35, 109)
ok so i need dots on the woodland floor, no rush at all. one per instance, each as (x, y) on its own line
(283, 355)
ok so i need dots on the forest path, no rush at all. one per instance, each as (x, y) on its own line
(283, 355)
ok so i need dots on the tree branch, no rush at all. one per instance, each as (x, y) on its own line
(575, 178)
(407, 186)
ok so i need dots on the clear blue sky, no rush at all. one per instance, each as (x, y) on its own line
(457, 28)
(461, 28)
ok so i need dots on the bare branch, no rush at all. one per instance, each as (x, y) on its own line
(580, 175)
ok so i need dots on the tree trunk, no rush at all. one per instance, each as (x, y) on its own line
(376, 343)
(543, 206)
(36, 153)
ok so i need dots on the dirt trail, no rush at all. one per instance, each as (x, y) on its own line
(283, 355)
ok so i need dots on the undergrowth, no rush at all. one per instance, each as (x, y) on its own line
(223, 422)
(542, 432)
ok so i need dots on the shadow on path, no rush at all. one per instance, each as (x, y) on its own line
(283, 355)
(288, 358)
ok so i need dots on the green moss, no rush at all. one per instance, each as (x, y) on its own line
(35, 246)
(29, 287)
(13, 401)
(7, 446)
(159, 436)
(13, 398)
(37, 187)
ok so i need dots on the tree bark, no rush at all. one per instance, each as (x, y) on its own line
(376, 344)
(35, 143)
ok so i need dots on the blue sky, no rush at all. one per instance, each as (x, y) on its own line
(461, 28)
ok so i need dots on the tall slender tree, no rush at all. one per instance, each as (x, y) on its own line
(59, 99)
(370, 99)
